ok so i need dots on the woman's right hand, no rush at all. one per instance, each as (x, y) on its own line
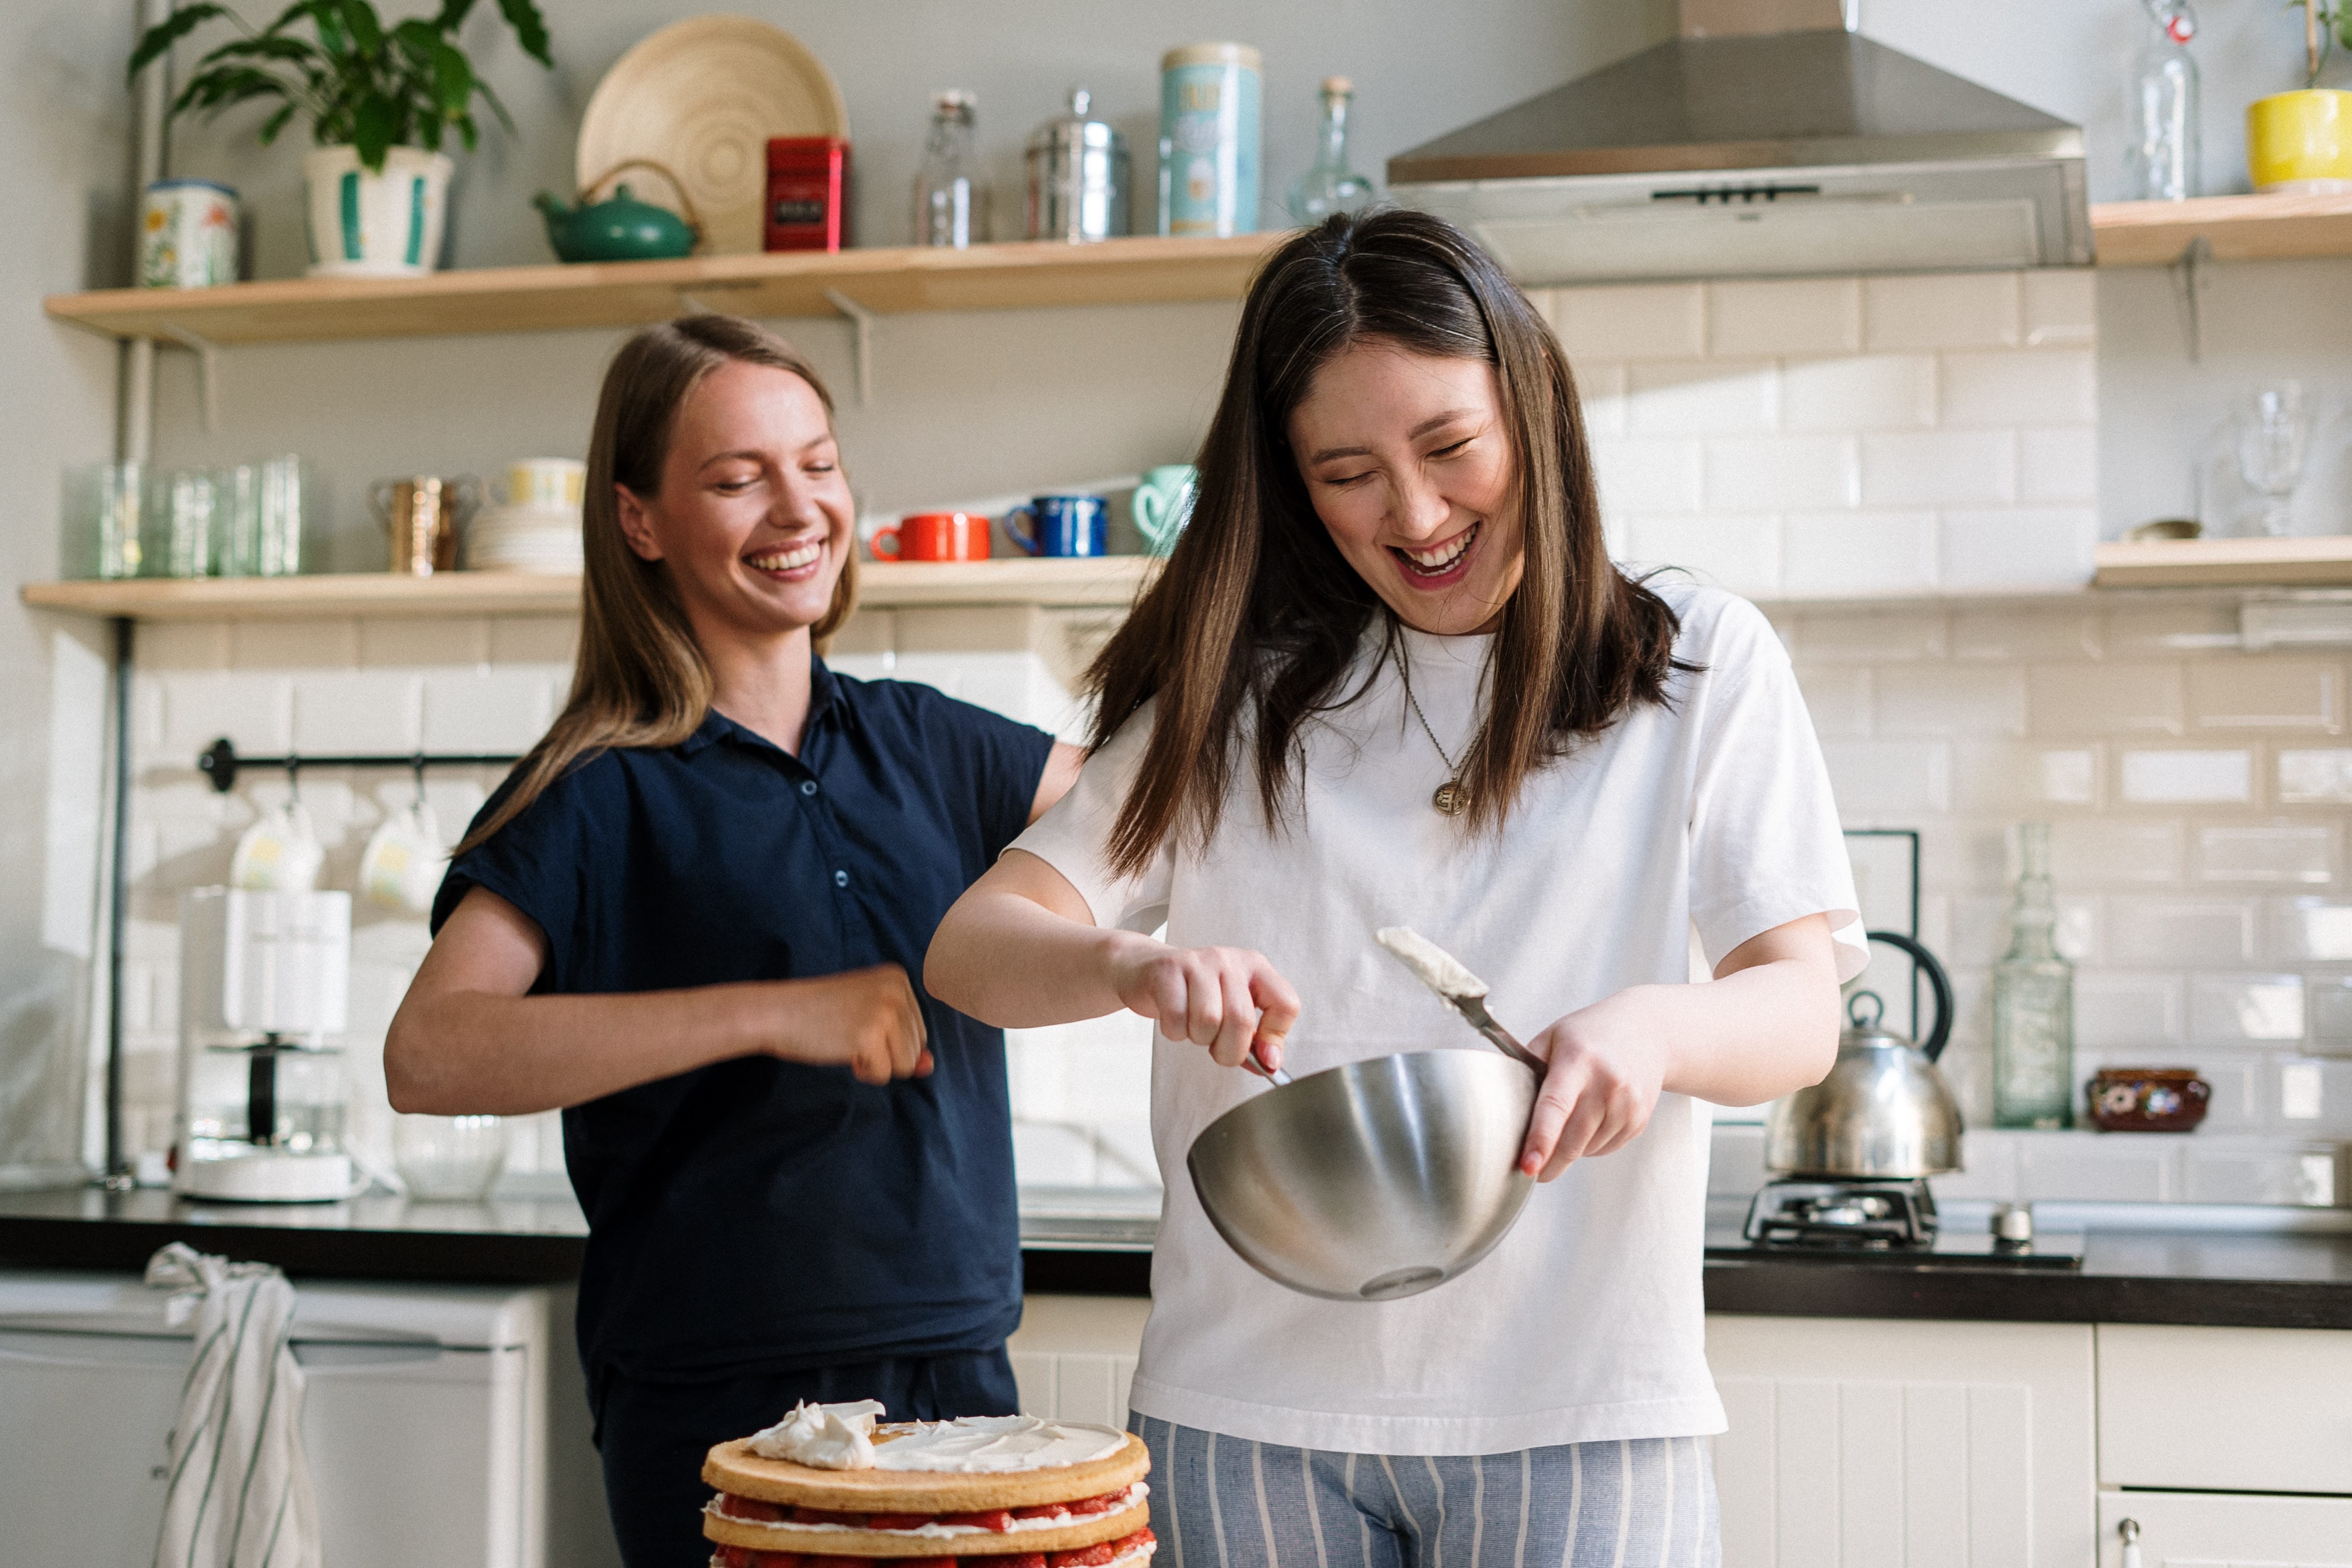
(865, 1019)
(1226, 998)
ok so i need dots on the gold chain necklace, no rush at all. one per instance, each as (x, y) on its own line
(1452, 797)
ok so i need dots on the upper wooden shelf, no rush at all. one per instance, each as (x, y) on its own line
(2237, 228)
(1108, 579)
(2309, 562)
(1146, 271)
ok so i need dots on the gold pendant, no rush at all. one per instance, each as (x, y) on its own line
(1451, 798)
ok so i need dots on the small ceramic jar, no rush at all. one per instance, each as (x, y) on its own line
(2147, 1099)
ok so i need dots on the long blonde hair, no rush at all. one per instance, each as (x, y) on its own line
(641, 678)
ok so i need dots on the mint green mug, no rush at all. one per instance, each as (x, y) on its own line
(1162, 502)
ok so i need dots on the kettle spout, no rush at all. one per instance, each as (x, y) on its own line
(553, 211)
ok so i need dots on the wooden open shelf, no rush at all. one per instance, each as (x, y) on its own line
(2226, 563)
(1147, 270)
(1108, 579)
(2237, 228)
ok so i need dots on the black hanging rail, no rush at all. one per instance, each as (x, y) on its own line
(220, 762)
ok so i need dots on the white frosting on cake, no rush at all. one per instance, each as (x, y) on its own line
(995, 1444)
(1437, 969)
(822, 1437)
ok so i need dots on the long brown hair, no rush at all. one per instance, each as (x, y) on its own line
(1257, 618)
(641, 680)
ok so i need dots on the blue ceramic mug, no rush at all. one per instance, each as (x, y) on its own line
(1061, 525)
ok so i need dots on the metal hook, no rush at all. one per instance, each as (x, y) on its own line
(417, 771)
(293, 779)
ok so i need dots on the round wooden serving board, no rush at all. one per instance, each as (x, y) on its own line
(733, 1467)
(1088, 1532)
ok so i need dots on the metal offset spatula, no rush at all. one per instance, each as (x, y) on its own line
(1456, 987)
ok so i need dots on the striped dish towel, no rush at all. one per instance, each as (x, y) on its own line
(239, 1495)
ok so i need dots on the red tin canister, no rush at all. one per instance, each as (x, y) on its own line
(808, 192)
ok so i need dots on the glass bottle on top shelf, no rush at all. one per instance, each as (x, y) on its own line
(950, 199)
(2033, 1002)
(1329, 186)
(2160, 126)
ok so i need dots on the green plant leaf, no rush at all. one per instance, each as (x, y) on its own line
(367, 31)
(454, 76)
(531, 30)
(453, 16)
(375, 126)
(277, 122)
(497, 108)
(219, 90)
(158, 39)
(465, 131)
(263, 47)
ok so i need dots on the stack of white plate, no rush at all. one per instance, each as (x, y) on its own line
(524, 538)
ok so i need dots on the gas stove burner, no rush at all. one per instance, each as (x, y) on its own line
(1872, 1215)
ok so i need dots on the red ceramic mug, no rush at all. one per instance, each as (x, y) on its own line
(933, 536)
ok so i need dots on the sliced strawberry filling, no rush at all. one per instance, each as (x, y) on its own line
(753, 1509)
(996, 1519)
(746, 1557)
(1096, 1556)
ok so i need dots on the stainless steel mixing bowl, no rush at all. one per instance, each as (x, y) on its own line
(1372, 1181)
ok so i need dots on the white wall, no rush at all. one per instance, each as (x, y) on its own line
(63, 171)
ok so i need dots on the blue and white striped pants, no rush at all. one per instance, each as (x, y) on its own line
(1229, 1502)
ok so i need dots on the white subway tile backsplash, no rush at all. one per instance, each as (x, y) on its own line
(406, 644)
(1741, 554)
(2267, 693)
(2302, 1174)
(358, 711)
(1641, 321)
(2188, 777)
(1779, 473)
(1874, 392)
(1647, 474)
(2058, 464)
(1837, 699)
(2314, 1096)
(182, 646)
(2159, 932)
(2045, 548)
(1867, 638)
(294, 645)
(2006, 777)
(2061, 307)
(2315, 777)
(2225, 1009)
(1885, 780)
(2293, 854)
(2330, 1000)
(2125, 1012)
(2311, 930)
(2070, 700)
(2052, 632)
(2019, 386)
(1939, 468)
(1961, 311)
(1830, 555)
(535, 639)
(489, 711)
(1971, 699)
(253, 710)
(1600, 391)
(2144, 1168)
(1706, 398)
(1784, 316)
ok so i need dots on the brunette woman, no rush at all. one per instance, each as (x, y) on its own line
(1391, 677)
(689, 917)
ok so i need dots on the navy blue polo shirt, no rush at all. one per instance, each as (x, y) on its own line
(756, 1213)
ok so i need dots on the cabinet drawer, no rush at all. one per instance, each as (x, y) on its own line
(2253, 1410)
(2186, 1531)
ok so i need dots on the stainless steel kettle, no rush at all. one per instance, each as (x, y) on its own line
(1884, 1111)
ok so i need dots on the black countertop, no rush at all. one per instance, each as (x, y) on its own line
(2233, 1279)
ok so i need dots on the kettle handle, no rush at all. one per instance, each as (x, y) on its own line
(1937, 982)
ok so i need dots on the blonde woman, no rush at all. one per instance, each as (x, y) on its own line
(1391, 677)
(689, 918)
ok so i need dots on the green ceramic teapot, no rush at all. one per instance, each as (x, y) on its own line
(620, 227)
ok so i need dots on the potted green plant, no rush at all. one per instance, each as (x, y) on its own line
(378, 98)
(2302, 141)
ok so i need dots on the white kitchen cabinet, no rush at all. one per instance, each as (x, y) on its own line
(2189, 1530)
(2241, 1410)
(1870, 1444)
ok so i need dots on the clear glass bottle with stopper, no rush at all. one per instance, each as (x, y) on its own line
(950, 199)
(1329, 186)
(2033, 1002)
(2161, 149)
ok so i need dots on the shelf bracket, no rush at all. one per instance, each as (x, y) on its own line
(207, 354)
(2189, 277)
(862, 319)
(689, 305)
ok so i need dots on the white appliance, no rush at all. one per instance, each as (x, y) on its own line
(426, 1421)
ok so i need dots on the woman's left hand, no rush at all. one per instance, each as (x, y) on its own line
(1607, 1067)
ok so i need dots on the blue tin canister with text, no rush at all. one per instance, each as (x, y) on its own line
(1211, 127)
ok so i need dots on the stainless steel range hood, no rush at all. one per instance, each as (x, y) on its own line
(1767, 140)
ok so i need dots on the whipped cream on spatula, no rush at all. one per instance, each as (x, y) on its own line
(1436, 968)
(825, 1436)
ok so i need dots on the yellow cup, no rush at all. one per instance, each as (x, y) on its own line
(2301, 142)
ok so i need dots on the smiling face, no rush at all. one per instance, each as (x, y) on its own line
(754, 515)
(1407, 460)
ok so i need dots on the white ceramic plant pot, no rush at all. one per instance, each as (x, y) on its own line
(365, 225)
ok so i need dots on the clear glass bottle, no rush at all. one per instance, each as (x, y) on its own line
(950, 198)
(2161, 152)
(1329, 186)
(2033, 1002)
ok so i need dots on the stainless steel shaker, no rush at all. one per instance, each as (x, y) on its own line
(1078, 176)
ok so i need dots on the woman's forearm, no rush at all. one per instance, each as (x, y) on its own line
(1007, 960)
(1752, 1035)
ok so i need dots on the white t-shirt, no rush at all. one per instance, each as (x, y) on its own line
(1587, 1322)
